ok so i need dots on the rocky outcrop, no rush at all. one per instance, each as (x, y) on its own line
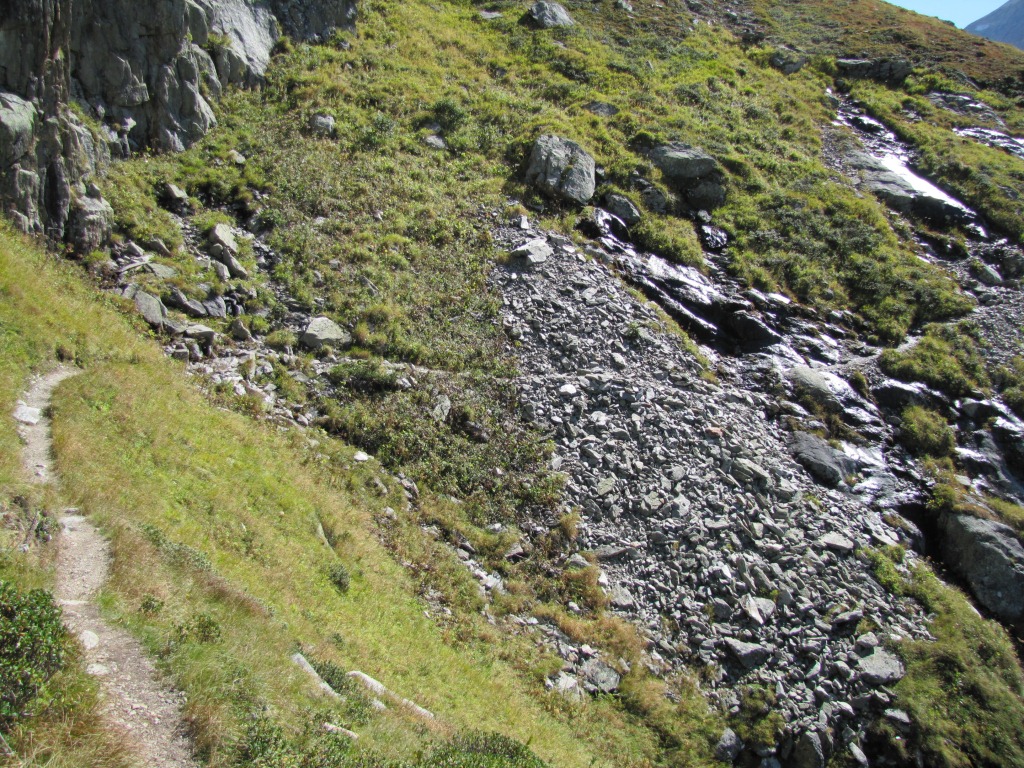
(893, 71)
(145, 71)
(694, 173)
(991, 558)
(546, 15)
(562, 169)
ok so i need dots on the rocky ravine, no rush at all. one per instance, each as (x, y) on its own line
(706, 530)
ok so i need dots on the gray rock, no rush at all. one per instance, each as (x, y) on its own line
(818, 457)
(991, 558)
(201, 333)
(893, 71)
(808, 751)
(91, 223)
(836, 542)
(728, 747)
(750, 655)
(880, 668)
(562, 169)
(323, 331)
(692, 172)
(787, 62)
(221, 235)
(533, 253)
(322, 125)
(151, 309)
(546, 14)
(600, 677)
(17, 128)
(622, 206)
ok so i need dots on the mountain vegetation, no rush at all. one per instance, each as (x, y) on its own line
(384, 499)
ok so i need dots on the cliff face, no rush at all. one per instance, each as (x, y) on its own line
(146, 71)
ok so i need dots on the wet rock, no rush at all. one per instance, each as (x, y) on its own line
(818, 458)
(322, 331)
(562, 169)
(622, 207)
(546, 14)
(991, 558)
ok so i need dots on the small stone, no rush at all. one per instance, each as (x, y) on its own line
(27, 415)
(729, 746)
(88, 639)
(836, 542)
(361, 457)
(750, 655)
(880, 668)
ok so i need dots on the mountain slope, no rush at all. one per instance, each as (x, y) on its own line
(1005, 24)
(581, 552)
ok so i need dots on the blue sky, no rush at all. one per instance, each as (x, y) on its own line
(960, 12)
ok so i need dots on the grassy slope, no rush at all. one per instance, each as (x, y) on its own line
(213, 515)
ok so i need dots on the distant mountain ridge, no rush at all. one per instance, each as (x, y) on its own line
(1004, 25)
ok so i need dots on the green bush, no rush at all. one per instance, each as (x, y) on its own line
(926, 433)
(33, 647)
(339, 576)
(363, 376)
(483, 750)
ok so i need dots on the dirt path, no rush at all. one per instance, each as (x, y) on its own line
(135, 698)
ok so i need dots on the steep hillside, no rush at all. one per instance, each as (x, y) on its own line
(600, 378)
(1005, 24)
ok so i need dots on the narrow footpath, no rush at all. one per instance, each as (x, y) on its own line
(135, 698)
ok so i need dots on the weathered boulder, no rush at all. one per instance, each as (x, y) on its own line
(991, 558)
(322, 331)
(729, 746)
(561, 169)
(750, 655)
(808, 752)
(151, 309)
(622, 206)
(893, 71)
(92, 221)
(880, 668)
(818, 458)
(695, 174)
(787, 62)
(322, 125)
(546, 14)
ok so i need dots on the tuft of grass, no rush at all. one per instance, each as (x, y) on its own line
(945, 357)
(926, 433)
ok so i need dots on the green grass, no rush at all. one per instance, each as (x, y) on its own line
(965, 690)
(946, 357)
(926, 433)
(221, 569)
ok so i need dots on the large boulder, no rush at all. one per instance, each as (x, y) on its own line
(695, 174)
(546, 14)
(324, 332)
(819, 458)
(562, 169)
(893, 71)
(92, 221)
(991, 558)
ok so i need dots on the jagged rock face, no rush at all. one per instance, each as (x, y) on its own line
(991, 558)
(146, 68)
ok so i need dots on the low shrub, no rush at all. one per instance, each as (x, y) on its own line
(33, 647)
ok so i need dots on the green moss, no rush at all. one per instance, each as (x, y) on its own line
(946, 357)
